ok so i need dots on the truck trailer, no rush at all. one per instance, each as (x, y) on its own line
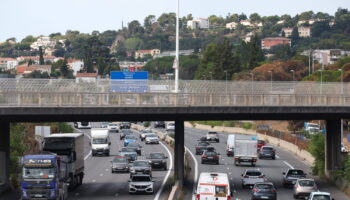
(245, 152)
(72, 146)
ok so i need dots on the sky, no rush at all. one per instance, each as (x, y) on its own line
(19, 18)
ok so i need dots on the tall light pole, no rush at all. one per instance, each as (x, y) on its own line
(293, 78)
(270, 79)
(211, 80)
(309, 62)
(252, 81)
(321, 81)
(226, 80)
(341, 79)
(177, 49)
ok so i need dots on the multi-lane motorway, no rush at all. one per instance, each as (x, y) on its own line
(271, 168)
(100, 183)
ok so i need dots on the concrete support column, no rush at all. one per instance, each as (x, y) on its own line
(179, 170)
(4, 155)
(333, 158)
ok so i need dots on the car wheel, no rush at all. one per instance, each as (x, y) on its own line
(260, 157)
(274, 158)
(202, 162)
(295, 196)
(165, 168)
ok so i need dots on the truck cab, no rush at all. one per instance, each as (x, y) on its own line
(44, 176)
(213, 186)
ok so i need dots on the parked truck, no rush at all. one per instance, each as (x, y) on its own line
(245, 152)
(100, 141)
(72, 146)
(44, 176)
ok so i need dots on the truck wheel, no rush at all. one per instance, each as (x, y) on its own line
(81, 176)
(253, 164)
(274, 158)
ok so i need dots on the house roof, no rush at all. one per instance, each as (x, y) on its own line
(87, 74)
(144, 51)
(22, 68)
(276, 38)
(6, 59)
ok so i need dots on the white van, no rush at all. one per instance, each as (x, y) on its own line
(100, 141)
(213, 186)
(230, 147)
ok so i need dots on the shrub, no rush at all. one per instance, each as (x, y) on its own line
(317, 150)
(247, 125)
(146, 124)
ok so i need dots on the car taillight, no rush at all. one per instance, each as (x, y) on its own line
(262, 176)
(228, 198)
(273, 190)
(255, 190)
(198, 196)
(246, 176)
(236, 158)
(204, 156)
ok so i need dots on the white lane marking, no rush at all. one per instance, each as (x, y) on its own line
(89, 154)
(195, 172)
(277, 157)
(168, 173)
(106, 170)
(289, 165)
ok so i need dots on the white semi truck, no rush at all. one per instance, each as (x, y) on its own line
(72, 146)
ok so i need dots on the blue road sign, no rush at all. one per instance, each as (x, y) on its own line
(125, 75)
(125, 81)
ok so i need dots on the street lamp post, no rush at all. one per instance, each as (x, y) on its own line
(293, 78)
(177, 49)
(226, 80)
(270, 79)
(211, 80)
(321, 81)
(252, 82)
(341, 79)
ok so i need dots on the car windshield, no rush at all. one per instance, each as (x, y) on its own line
(261, 142)
(157, 155)
(151, 135)
(120, 160)
(253, 173)
(130, 137)
(202, 144)
(264, 186)
(133, 144)
(126, 131)
(128, 150)
(321, 197)
(171, 124)
(267, 148)
(306, 183)
(39, 173)
(146, 131)
(99, 141)
(210, 153)
(111, 124)
(212, 133)
(141, 178)
(140, 164)
(295, 172)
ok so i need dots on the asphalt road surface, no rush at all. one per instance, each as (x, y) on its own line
(271, 168)
(100, 184)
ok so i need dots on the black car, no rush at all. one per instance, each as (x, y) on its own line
(159, 124)
(137, 146)
(200, 147)
(158, 160)
(291, 176)
(210, 157)
(125, 125)
(125, 132)
(267, 152)
(120, 164)
(264, 190)
(141, 167)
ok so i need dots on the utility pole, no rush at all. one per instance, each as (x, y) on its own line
(177, 50)
(309, 62)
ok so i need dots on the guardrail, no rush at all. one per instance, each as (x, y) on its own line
(59, 99)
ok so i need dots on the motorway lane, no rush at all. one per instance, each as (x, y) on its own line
(271, 168)
(100, 183)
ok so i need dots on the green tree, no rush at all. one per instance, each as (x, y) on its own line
(41, 56)
(317, 150)
(255, 17)
(133, 44)
(281, 52)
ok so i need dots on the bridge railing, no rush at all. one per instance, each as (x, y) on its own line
(31, 99)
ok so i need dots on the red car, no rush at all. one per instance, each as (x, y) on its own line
(261, 143)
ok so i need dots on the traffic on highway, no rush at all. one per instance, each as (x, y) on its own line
(105, 160)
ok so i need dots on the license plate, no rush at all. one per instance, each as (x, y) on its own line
(156, 163)
(246, 160)
(264, 197)
(210, 157)
(38, 195)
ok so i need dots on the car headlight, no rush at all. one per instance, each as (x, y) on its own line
(163, 161)
(24, 193)
(132, 170)
(53, 193)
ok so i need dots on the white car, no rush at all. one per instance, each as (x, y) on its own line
(170, 126)
(251, 177)
(152, 139)
(320, 196)
(113, 127)
(82, 125)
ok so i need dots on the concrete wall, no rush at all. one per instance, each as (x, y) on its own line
(302, 154)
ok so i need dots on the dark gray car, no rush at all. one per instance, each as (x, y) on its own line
(120, 164)
(130, 153)
(267, 152)
(125, 132)
(141, 167)
(158, 160)
(137, 146)
(262, 191)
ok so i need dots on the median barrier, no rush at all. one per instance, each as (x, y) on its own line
(303, 154)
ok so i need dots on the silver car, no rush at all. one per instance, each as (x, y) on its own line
(251, 177)
(141, 183)
(303, 188)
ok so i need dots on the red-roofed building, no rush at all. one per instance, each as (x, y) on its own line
(267, 43)
(24, 69)
(86, 77)
(143, 53)
(8, 63)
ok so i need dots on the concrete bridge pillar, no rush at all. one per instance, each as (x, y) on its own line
(4, 155)
(179, 169)
(333, 155)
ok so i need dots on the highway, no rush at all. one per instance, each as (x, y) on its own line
(100, 184)
(271, 168)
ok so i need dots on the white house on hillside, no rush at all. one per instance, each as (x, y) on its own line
(200, 23)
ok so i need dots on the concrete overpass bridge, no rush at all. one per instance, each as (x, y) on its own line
(28, 100)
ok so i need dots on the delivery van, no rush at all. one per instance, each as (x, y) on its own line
(213, 186)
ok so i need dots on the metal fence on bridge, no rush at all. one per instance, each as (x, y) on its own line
(62, 92)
